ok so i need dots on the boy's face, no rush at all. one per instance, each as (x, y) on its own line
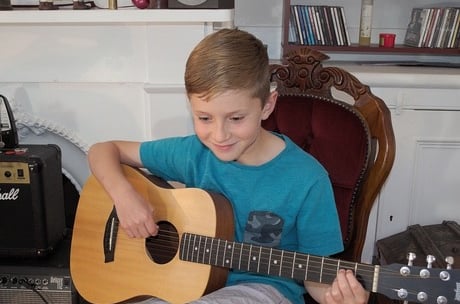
(229, 124)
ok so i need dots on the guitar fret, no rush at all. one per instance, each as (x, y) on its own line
(255, 258)
(338, 266)
(217, 252)
(271, 261)
(375, 279)
(367, 273)
(287, 265)
(307, 266)
(233, 251)
(264, 261)
(225, 261)
(281, 262)
(232, 245)
(293, 265)
(194, 248)
(314, 267)
(321, 271)
(241, 256)
(330, 269)
(274, 262)
(193, 252)
(223, 251)
(188, 247)
(258, 262)
(249, 256)
(211, 251)
(203, 253)
(182, 247)
(198, 248)
(190, 252)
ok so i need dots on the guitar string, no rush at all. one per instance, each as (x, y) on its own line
(168, 241)
(365, 271)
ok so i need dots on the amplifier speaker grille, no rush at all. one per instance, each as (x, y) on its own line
(28, 296)
(39, 280)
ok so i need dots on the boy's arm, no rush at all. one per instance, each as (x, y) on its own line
(345, 289)
(135, 214)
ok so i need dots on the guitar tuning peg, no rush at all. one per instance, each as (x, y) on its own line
(450, 261)
(430, 260)
(410, 258)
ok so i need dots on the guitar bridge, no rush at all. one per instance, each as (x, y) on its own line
(110, 236)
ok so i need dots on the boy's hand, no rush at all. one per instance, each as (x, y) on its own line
(346, 289)
(135, 215)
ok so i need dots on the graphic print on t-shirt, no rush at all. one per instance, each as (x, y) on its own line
(263, 228)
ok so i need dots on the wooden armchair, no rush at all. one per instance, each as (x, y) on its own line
(354, 141)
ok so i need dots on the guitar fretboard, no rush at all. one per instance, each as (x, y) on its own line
(271, 261)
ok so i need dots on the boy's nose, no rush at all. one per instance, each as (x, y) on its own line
(220, 132)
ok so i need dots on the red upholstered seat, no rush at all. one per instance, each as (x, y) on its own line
(336, 135)
(353, 140)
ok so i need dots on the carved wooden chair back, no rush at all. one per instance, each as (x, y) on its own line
(353, 139)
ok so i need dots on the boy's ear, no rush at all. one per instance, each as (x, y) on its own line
(269, 104)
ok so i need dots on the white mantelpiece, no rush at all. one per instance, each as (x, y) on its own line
(120, 16)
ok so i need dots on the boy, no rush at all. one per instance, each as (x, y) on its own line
(281, 196)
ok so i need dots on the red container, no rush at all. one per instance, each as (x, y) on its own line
(387, 40)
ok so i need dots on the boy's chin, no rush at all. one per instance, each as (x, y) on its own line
(224, 157)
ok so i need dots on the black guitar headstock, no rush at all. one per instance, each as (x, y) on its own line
(420, 284)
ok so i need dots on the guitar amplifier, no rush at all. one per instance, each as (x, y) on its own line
(36, 285)
(38, 281)
(32, 211)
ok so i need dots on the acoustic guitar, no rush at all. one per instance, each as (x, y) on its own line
(193, 251)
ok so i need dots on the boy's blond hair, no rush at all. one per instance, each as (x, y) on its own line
(229, 59)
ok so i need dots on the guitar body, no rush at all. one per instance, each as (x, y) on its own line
(109, 267)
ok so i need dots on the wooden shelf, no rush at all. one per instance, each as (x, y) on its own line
(370, 50)
(398, 49)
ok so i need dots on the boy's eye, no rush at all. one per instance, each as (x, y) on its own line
(236, 118)
(203, 118)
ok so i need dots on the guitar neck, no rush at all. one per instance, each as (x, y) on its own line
(270, 261)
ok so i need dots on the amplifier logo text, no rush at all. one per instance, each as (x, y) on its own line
(12, 195)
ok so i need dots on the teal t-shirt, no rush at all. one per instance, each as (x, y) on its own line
(286, 203)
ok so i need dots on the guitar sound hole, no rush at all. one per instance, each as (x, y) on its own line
(163, 247)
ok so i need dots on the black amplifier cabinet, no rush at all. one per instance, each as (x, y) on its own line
(32, 211)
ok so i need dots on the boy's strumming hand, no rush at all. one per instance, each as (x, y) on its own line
(136, 215)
